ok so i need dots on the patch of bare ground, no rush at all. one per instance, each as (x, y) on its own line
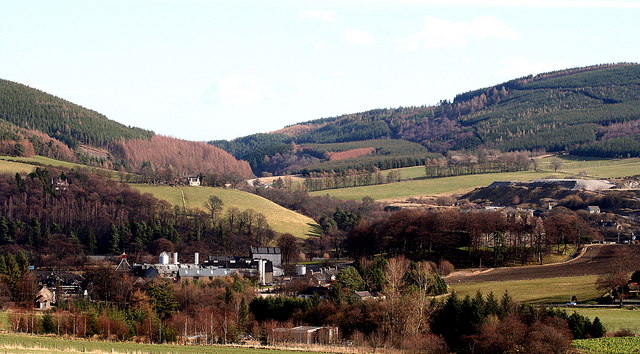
(595, 260)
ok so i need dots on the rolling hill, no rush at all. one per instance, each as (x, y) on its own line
(591, 111)
(280, 219)
(417, 185)
(33, 122)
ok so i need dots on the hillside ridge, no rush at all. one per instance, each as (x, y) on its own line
(35, 122)
(587, 111)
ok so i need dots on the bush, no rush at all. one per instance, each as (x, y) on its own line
(445, 267)
(625, 332)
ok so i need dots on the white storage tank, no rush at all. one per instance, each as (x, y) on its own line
(164, 258)
(301, 269)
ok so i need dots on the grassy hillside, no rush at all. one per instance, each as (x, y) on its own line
(444, 185)
(280, 219)
(11, 164)
(571, 166)
(595, 167)
(11, 168)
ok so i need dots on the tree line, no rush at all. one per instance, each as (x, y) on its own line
(467, 238)
(349, 178)
(479, 161)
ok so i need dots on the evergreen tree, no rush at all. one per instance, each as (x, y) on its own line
(228, 295)
(48, 326)
(446, 322)
(350, 279)
(5, 236)
(34, 232)
(3, 266)
(114, 240)
(163, 297)
(92, 243)
(74, 236)
(491, 305)
(243, 311)
(23, 262)
(579, 325)
(345, 219)
(596, 330)
(20, 183)
(12, 266)
(506, 303)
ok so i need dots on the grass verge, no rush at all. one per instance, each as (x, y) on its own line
(22, 343)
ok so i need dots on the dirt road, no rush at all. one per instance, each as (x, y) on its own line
(596, 260)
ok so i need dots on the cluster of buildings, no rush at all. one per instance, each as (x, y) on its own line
(58, 286)
(263, 263)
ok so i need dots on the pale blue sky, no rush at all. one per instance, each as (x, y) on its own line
(216, 69)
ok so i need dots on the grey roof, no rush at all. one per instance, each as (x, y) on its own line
(206, 272)
(240, 263)
(265, 250)
(220, 258)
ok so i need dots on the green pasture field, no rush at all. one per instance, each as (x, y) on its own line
(614, 345)
(571, 166)
(41, 160)
(407, 172)
(23, 343)
(418, 186)
(29, 164)
(613, 319)
(548, 290)
(431, 186)
(594, 167)
(11, 168)
(279, 218)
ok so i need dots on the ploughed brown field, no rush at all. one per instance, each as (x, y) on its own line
(596, 260)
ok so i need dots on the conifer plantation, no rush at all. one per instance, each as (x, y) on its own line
(34, 122)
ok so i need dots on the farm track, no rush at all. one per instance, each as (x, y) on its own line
(596, 260)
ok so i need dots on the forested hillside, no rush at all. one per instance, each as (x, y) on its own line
(30, 108)
(175, 157)
(35, 122)
(59, 215)
(590, 111)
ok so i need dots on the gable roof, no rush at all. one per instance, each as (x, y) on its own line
(265, 250)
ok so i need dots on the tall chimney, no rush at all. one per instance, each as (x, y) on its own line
(196, 258)
(261, 271)
(175, 257)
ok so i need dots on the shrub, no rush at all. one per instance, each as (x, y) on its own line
(625, 332)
